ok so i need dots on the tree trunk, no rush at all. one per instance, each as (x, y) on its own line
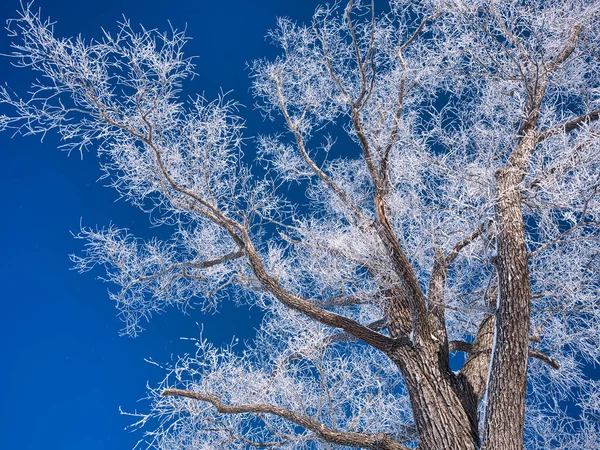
(440, 416)
(505, 411)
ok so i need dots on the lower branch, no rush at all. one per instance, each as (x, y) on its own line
(377, 441)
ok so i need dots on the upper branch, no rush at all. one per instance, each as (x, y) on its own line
(309, 161)
(569, 126)
(366, 85)
(568, 49)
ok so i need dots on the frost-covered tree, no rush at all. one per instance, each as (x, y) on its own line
(433, 193)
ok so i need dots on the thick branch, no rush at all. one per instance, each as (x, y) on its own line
(410, 284)
(378, 325)
(467, 347)
(474, 373)
(378, 441)
(307, 308)
(567, 49)
(397, 312)
(436, 301)
(347, 300)
(569, 126)
(437, 282)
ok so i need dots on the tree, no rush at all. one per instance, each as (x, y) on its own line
(433, 192)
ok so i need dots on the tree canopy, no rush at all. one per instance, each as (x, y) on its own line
(432, 192)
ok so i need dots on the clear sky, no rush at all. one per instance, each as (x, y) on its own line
(64, 370)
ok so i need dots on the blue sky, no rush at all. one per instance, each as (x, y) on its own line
(64, 370)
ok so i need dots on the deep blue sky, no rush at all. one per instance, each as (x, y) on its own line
(64, 370)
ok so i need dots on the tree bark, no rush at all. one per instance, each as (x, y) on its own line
(440, 415)
(505, 411)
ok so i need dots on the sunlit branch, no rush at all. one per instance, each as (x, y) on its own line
(330, 69)
(581, 223)
(568, 49)
(365, 92)
(560, 169)
(474, 372)
(571, 125)
(309, 161)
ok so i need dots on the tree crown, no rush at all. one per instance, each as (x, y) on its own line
(364, 250)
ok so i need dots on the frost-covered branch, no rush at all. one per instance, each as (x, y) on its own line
(379, 441)
(571, 125)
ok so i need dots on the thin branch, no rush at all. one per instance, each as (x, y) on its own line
(309, 161)
(463, 243)
(581, 223)
(419, 29)
(359, 59)
(194, 265)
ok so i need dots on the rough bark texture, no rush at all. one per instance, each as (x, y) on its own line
(473, 376)
(505, 412)
(440, 415)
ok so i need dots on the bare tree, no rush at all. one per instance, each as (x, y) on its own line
(461, 216)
